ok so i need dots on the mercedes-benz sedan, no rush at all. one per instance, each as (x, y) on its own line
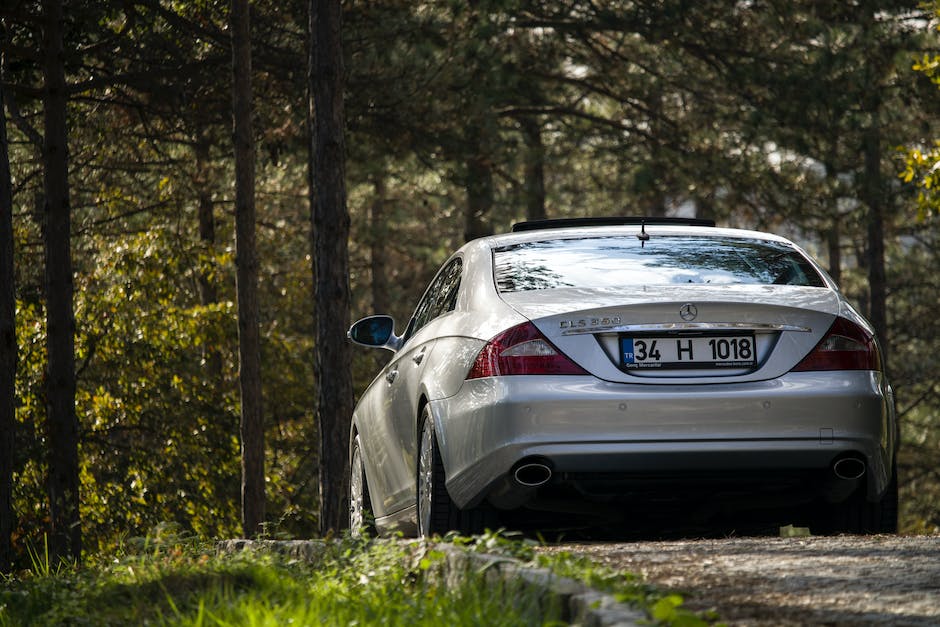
(577, 366)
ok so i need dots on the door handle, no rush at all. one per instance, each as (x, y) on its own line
(391, 375)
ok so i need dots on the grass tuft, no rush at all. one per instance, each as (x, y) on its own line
(168, 580)
(173, 579)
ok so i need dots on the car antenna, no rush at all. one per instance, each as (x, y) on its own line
(643, 236)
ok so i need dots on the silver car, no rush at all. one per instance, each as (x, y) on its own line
(583, 365)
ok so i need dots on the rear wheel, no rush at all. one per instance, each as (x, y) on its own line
(437, 513)
(881, 517)
(361, 520)
(858, 516)
(435, 509)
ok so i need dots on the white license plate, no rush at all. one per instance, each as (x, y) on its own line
(674, 352)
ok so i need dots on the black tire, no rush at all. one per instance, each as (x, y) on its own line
(858, 516)
(883, 515)
(361, 519)
(437, 513)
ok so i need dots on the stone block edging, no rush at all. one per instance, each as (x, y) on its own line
(579, 604)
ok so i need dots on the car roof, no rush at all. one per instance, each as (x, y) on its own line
(653, 230)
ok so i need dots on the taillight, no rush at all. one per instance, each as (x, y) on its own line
(847, 346)
(521, 350)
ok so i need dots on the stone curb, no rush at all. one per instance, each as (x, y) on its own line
(580, 605)
(310, 551)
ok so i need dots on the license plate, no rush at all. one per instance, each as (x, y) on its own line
(676, 352)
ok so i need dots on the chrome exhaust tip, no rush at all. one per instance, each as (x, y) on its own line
(849, 468)
(532, 474)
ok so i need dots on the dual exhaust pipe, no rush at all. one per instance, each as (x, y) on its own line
(533, 473)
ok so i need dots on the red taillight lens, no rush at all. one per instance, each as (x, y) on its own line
(521, 350)
(846, 346)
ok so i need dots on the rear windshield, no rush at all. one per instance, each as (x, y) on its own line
(601, 262)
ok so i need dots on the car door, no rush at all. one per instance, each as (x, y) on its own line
(402, 381)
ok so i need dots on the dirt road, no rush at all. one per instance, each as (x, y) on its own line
(847, 580)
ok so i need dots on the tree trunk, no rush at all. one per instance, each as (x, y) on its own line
(534, 169)
(872, 186)
(378, 257)
(834, 235)
(878, 299)
(208, 294)
(705, 208)
(378, 235)
(246, 262)
(479, 186)
(7, 346)
(330, 233)
(834, 245)
(62, 421)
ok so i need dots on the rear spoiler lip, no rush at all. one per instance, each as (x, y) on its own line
(566, 223)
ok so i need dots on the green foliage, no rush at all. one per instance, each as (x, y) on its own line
(171, 578)
(663, 607)
(170, 581)
(914, 362)
(922, 161)
(922, 168)
(159, 434)
(922, 164)
(751, 113)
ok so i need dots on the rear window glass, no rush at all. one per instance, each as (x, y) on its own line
(601, 262)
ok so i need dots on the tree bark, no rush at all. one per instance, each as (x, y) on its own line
(479, 187)
(534, 169)
(208, 294)
(378, 256)
(833, 236)
(62, 421)
(330, 234)
(878, 293)
(873, 185)
(246, 262)
(8, 352)
(834, 246)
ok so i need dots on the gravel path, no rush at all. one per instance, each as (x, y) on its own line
(846, 580)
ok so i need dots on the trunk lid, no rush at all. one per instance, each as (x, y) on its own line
(689, 333)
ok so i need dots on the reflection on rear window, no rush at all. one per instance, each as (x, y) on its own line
(600, 262)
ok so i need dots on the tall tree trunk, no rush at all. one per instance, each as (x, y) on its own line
(878, 303)
(704, 207)
(873, 185)
(378, 229)
(378, 257)
(246, 262)
(834, 235)
(479, 186)
(62, 421)
(534, 169)
(330, 226)
(208, 294)
(7, 345)
(657, 166)
(834, 245)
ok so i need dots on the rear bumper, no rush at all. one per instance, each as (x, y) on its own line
(581, 425)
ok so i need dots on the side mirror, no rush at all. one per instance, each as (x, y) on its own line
(375, 332)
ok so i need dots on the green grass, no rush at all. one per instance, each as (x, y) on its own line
(663, 607)
(187, 584)
(170, 580)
